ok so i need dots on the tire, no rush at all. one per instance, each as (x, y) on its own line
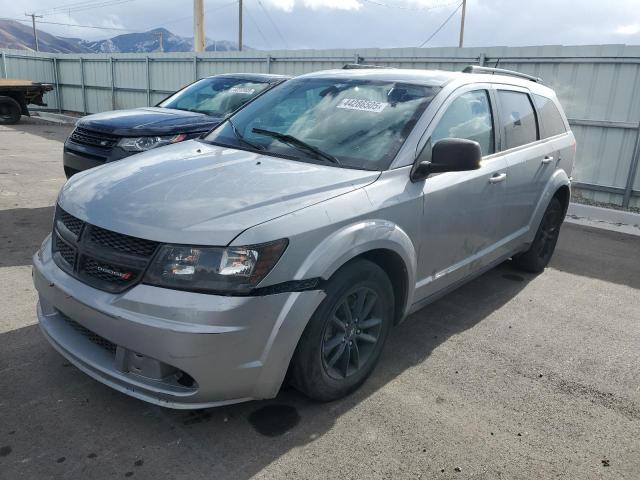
(318, 369)
(70, 172)
(10, 111)
(541, 250)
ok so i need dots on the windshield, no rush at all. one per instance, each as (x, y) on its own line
(360, 123)
(216, 96)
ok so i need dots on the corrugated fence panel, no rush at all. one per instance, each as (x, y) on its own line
(130, 73)
(97, 73)
(128, 99)
(170, 76)
(599, 86)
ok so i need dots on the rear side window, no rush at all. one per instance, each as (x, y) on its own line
(551, 122)
(517, 119)
(469, 117)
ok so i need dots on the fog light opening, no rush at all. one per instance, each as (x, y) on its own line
(185, 379)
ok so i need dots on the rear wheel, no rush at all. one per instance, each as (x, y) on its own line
(539, 254)
(343, 340)
(10, 111)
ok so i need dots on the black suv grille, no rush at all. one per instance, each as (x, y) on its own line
(91, 137)
(72, 223)
(122, 243)
(67, 253)
(101, 258)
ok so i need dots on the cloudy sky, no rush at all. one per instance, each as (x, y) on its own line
(276, 24)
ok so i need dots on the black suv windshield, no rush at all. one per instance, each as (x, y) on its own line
(216, 96)
(360, 123)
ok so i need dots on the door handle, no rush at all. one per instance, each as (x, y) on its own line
(547, 159)
(497, 178)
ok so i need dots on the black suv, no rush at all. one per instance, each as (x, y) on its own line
(188, 113)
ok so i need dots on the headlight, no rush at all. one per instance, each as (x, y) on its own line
(214, 269)
(141, 144)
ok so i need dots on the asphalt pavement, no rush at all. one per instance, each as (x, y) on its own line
(512, 376)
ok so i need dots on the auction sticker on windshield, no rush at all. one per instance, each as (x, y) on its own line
(246, 91)
(362, 105)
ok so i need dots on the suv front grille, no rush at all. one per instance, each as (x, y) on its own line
(67, 253)
(72, 223)
(122, 243)
(106, 272)
(91, 137)
(104, 259)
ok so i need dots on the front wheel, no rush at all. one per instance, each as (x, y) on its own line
(539, 254)
(343, 340)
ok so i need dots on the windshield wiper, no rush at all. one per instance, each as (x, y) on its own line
(296, 142)
(239, 136)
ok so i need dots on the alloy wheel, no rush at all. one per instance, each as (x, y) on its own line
(352, 333)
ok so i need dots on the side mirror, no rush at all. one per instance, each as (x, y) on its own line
(447, 155)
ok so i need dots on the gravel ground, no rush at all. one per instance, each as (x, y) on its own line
(512, 376)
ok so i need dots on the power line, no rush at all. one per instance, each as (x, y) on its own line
(255, 24)
(190, 17)
(70, 5)
(115, 28)
(71, 25)
(83, 6)
(441, 26)
(286, 45)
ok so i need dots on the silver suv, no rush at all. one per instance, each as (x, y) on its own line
(299, 231)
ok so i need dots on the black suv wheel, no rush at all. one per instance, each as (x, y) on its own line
(539, 254)
(343, 340)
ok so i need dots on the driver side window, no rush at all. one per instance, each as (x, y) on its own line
(469, 117)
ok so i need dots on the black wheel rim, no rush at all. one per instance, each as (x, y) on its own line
(352, 333)
(549, 230)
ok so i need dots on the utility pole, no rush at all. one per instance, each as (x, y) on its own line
(160, 36)
(198, 26)
(35, 31)
(240, 25)
(464, 11)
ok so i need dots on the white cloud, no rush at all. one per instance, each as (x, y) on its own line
(288, 5)
(334, 4)
(631, 29)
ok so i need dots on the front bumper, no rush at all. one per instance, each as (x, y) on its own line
(77, 157)
(143, 341)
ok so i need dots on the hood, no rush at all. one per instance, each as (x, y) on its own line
(195, 193)
(148, 121)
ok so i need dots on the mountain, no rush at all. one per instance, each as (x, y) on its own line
(19, 36)
(223, 46)
(140, 42)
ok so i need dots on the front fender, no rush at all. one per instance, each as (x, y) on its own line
(558, 179)
(355, 239)
(322, 262)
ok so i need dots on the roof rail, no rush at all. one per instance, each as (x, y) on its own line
(500, 71)
(355, 66)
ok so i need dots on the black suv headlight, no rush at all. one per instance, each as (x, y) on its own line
(142, 144)
(214, 269)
